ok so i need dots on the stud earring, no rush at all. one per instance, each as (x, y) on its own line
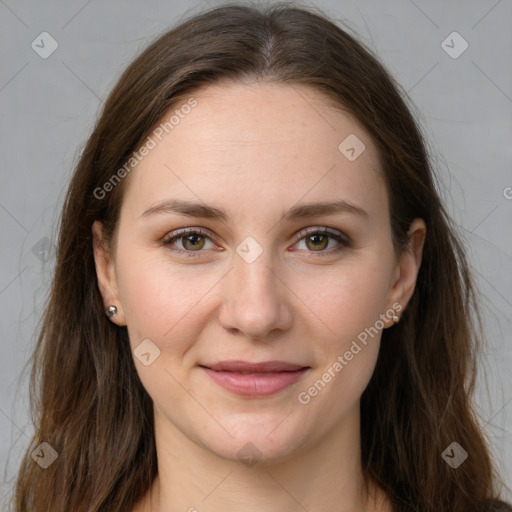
(396, 318)
(111, 311)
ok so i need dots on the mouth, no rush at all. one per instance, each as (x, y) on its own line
(254, 379)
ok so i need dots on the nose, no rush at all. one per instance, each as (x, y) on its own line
(256, 299)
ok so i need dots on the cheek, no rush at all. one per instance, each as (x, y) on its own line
(346, 300)
(350, 308)
(345, 358)
(164, 303)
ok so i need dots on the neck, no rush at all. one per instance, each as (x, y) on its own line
(326, 476)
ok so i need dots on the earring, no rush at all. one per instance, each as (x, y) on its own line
(396, 318)
(111, 311)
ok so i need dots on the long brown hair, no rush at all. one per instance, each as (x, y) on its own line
(87, 401)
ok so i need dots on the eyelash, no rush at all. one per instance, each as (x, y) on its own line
(343, 240)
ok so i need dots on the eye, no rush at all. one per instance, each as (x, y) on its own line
(316, 240)
(191, 239)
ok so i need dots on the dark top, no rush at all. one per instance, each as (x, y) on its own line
(500, 506)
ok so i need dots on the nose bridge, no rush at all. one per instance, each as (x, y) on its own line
(255, 301)
(253, 267)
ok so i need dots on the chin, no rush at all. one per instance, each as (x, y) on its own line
(259, 442)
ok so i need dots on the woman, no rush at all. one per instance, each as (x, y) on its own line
(259, 301)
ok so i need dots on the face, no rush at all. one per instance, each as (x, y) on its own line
(255, 273)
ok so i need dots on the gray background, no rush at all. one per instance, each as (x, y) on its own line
(48, 106)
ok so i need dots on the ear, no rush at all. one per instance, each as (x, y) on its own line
(408, 266)
(105, 273)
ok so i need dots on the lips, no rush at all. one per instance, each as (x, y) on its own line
(254, 379)
(245, 367)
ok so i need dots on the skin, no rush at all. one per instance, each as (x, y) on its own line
(256, 151)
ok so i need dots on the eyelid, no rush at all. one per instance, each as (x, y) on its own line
(180, 233)
(323, 229)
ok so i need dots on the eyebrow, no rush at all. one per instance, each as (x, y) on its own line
(198, 210)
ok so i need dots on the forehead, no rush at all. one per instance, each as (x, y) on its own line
(258, 146)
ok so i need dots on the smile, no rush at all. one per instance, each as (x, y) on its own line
(254, 379)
